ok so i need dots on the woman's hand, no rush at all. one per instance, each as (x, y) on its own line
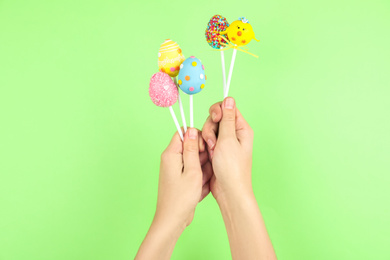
(185, 174)
(229, 139)
(185, 171)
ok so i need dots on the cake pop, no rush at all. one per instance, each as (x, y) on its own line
(240, 33)
(164, 93)
(192, 80)
(169, 59)
(216, 25)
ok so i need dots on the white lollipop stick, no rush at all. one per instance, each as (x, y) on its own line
(191, 111)
(183, 118)
(176, 122)
(230, 72)
(223, 71)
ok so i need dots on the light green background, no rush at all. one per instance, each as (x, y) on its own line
(80, 140)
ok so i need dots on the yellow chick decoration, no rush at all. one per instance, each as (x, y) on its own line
(240, 33)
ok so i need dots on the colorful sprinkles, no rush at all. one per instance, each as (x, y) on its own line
(216, 25)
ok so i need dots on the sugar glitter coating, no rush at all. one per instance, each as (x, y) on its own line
(216, 24)
(162, 90)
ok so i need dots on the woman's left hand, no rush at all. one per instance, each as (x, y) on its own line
(185, 173)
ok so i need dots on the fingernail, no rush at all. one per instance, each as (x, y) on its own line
(213, 116)
(229, 103)
(193, 133)
(210, 143)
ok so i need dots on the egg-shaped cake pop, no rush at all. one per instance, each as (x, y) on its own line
(162, 90)
(191, 76)
(170, 58)
(240, 32)
(216, 25)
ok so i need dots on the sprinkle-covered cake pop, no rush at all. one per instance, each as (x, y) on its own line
(162, 90)
(216, 24)
(240, 32)
(170, 58)
(191, 76)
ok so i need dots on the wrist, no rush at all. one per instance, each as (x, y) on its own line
(236, 198)
(239, 208)
(160, 239)
(168, 226)
(234, 193)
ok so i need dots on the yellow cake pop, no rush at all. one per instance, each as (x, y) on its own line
(170, 58)
(240, 33)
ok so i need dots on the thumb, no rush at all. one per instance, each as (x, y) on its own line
(191, 151)
(227, 126)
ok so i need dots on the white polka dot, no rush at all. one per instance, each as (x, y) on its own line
(159, 54)
(181, 66)
(166, 87)
(201, 76)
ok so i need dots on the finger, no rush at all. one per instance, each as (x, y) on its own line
(243, 130)
(215, 112)
(205, 191)
(172, 156)
(227, 126)
(202, 146)
(176, 145)
(207, 170)
(191, 151)
(209, 132)
(210, 153)
(203, 157)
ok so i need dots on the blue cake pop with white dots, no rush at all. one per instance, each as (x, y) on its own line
(191, 76)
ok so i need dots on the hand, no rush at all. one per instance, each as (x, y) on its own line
(185, 172)
(229, 141)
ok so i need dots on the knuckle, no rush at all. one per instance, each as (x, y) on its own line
(229, 116)
(216, 108)
(206, 136)
(209, 134)
(165, 156)
(191, 147)
(211, 109)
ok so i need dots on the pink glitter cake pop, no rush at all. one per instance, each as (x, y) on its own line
(162, 90)
(164, 93)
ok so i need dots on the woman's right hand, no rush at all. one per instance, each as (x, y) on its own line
(229, 141)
